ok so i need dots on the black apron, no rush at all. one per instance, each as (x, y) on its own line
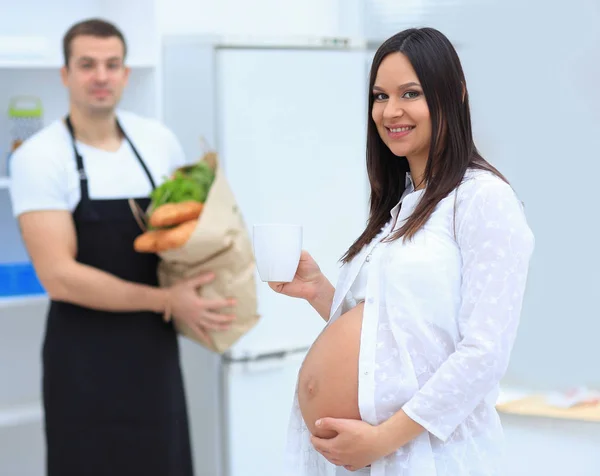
(112, 385)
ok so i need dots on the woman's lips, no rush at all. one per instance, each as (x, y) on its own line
(397, 132)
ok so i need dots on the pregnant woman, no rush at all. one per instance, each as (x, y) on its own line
(403, 379)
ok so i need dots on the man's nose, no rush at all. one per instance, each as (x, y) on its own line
(101, 73)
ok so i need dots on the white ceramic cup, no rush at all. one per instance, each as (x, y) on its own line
(277, 249)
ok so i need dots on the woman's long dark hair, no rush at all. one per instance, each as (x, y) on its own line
(452, 150)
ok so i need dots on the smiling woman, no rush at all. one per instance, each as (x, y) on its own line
(407, 382)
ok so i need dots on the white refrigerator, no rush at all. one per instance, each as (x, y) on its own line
(289, 123)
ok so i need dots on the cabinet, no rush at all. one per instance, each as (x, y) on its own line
(31, 34)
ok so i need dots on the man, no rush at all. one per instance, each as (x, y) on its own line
(112, 385)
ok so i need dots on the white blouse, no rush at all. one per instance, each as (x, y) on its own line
(440, 318)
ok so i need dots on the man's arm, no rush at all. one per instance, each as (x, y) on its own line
(52, 245)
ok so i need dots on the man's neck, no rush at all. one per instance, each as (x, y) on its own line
(96, 130)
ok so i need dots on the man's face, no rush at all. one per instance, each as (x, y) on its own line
(96, 74)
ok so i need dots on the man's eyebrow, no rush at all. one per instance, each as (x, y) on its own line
(89, 58)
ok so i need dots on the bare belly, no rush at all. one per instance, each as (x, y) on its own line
(328, 379)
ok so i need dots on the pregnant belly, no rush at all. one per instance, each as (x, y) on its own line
(328, 379)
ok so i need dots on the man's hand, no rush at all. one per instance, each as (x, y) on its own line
(195, 312)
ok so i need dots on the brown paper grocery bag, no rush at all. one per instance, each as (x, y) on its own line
(220, 244)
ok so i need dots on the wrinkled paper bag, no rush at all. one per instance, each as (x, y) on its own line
(220, 244)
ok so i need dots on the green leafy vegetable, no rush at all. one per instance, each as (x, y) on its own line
(188, 183)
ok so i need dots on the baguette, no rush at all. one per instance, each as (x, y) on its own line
(171, 214)
(175, 237)
(147, 242)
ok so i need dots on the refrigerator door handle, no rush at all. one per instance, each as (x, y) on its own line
(267, 362)
(264, 365)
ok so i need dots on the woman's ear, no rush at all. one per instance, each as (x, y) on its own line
(464, 92)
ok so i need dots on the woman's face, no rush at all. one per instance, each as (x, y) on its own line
(400, 110)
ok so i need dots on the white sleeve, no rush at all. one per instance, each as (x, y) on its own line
(38, 180)
(496, 245)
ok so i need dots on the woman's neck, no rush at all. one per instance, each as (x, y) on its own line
(417, 166)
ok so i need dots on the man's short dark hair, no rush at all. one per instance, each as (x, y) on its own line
(92, 27)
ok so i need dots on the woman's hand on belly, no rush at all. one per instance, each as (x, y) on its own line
(359, 444)
(356, 445)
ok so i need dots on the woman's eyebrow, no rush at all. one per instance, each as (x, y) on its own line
(402, 86)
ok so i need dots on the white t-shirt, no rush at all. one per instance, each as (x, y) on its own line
(44, 170)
